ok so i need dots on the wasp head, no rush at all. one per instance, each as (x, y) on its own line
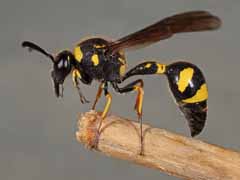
(62, 65)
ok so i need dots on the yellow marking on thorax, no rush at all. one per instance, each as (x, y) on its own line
(123, 66)
(148, 65)
(123, 69)
(201, 95)
(93, 37)
(95, 59)
(161, 68)
(184, 78)
(78, 54)
(99, 46)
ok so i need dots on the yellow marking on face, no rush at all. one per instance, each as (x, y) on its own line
(75, 74)
(99, 46)
(107, 106)
(161, 68)
(78, 54)
(201, 95)
(68, 58)
(95, 59)
(148, 65)
(184, 79)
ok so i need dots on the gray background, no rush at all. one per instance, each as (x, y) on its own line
(37, 130)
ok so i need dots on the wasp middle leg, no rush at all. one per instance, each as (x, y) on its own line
(99, 93)
(102, 87)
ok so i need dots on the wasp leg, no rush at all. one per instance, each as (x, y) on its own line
(103, 87)
(108, 96)
(75, 76)
(109, 101)
(99, 93)
(135, 86)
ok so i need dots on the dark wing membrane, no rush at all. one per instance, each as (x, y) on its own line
(196, 115)
(185, 22)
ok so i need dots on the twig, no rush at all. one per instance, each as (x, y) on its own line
(173, 154)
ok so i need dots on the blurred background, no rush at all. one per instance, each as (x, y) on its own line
(37, 130)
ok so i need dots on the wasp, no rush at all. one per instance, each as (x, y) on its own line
(104, 60)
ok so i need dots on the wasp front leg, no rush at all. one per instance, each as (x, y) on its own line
(75, 76)
(135, 86)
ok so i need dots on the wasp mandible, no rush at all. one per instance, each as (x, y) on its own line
(104, 60)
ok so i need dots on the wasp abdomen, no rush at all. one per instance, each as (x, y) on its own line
(189, 88)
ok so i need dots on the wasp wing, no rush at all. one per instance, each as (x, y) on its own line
(185, 22)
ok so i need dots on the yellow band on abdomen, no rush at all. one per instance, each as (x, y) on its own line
(184, 79)
(201, 95)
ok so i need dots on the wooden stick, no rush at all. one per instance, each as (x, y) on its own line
(171, 153)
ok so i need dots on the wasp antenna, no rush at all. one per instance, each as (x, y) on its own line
(33, 46)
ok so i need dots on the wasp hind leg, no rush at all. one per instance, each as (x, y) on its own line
(135, 86)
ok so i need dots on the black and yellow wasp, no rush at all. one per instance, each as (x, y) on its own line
(104, 60)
